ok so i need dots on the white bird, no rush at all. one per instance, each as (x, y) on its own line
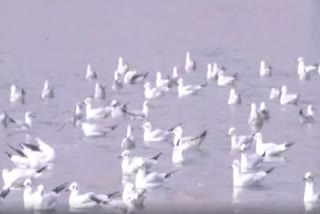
(175, 74)
(154, 92)
(140, 114)
(178, 153)
(95, 130)
(234, 97)
(210, 74)
(160, 81)
(238, 140)
(186, 90)
(274, 93)
(122, 68)
(128, 142)
(96, 113)
(90, 74)
(78, 114)
(33, 156)
(310, 196)
(150, 180)
(241, 179)
(269, 148)
(255, 120)
(265, 70)
(116, 84)
(304, 70)
(130, 164)
(189, 141)
(249, 161)
(264, 112)
(28, 195)
(307, 118)
(132, 195)
(133, 77)
(99, 91)
(286, 98)
(25, 125)
(5, 119)
(47, 91)
(225, 80)
(79, 201)
(17, 94)
(47, 200)
(17, 176)
(190, 65)
(155, 135)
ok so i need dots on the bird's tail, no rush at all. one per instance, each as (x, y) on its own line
(169, 174)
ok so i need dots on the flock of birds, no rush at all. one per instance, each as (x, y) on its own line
(34, 157)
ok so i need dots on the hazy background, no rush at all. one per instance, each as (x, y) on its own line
(56, 40)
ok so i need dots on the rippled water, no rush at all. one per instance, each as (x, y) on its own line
(56, 39)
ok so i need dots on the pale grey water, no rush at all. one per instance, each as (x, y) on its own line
(56, 39)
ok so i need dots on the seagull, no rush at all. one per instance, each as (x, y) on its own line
(286, 98)
(249, 161)
(132, 77)
(17, 94)
(160, 81)
(210, 74)
(303, 70)
(265, 70)
(47, 200)
(310, 196)
(130, 164)
(140, 114)
(178, 153)
(99, 91)
(96, 113)
(269, 148)
(116, 84)
(190, 65)
(131, 195)
(33, 156)
(238, 140)
(94, 130)
(225, 80)
(17, 176)
(3, 194)
(155, 135)
(307, 118)
(186, 90)
(5, 119)
(264, 112)
(128, 142)
(255, 120)
(122, 68)
(234, 97)
(188, 142)
(274, 93)
(25, 125)
(154, 92)
(91, 74)
(241, 179)
(28, 194)
(150, 180)
(79, 201)
(115, 205)
(79, 113)
(47, 91)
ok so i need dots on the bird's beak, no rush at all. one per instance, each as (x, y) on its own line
(67, 190)
(33, 115)
(119, 157)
